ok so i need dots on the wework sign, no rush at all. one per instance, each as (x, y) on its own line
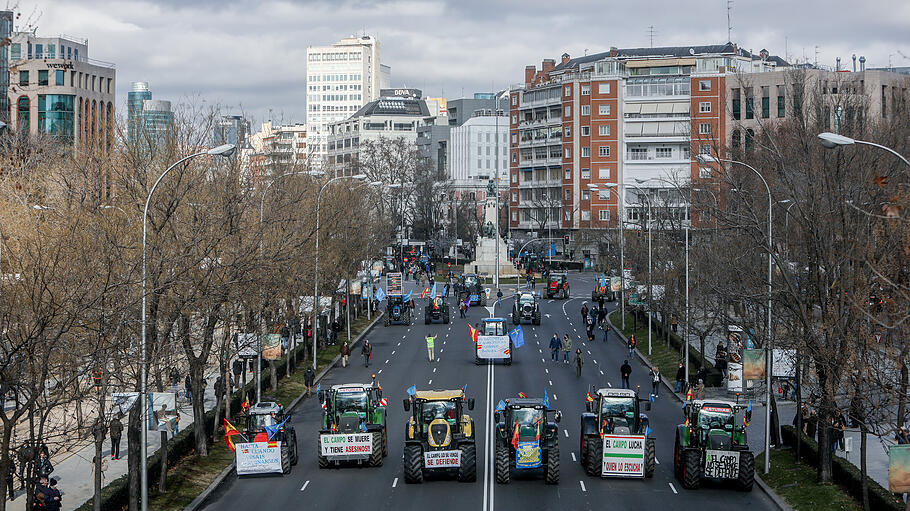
(60, 65)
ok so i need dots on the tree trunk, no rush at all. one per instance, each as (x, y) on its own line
(862, 464)
(134, 422)
(273, 376)
(196, 374)
(162, 480)
(824, 449)
(902, 398)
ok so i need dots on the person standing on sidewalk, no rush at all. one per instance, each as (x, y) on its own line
(285, 337)
(700, 389)
(431, 343)
(624, 371)
(655, 380)
(308, 378)
(579, 361)
(345, 353)
(555, 346)
(52, 497)
(10, 489)
(566, 348)
(680, 377)
(116, 430)
(188, 384)
(366, 351)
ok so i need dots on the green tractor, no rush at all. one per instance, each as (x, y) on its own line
(439, 438)
(615, 435)
(437, 309)
(353, 425)
(525, 440)
(709, 445)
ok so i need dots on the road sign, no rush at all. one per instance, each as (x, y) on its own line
(393, 283)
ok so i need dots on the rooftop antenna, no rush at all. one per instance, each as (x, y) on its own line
(729, 21)
(816, 55)
(651, 34)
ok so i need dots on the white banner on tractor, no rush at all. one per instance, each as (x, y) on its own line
(493, 346)
(624, 456)
(442, 459)
(258, 458)
(346, 445)
(721, 464)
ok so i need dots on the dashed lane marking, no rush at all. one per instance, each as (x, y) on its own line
(304, 486)
(601, 373)
(399, 344)
(380, 372)
(566, 431)
(573, 457)
(551, 382)
(547, 370)
(589, 352)
(404, 336)
(554, 396)
(595, 360)
(441, 350)
(609, 385)
(542, 360)
(430, 382)
(386, 361)
(434, 369)
(395, 482)
(582, 483)
(673, 488)
(393, 352)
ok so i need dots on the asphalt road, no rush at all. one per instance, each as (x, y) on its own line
(400, 360)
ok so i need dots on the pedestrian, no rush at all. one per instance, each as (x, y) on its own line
(631, 345)
(11, 471)
(584, 311)
(606, 330)
(462, 309)
(43, 467)
(555, 346)
(566, 348)
(533, 282)
(625, 370)
(116, 429)
(590, 329)
(579, 361)
(431, 342)
(188, 385)
(345, 353)
(655, 380)
(674, 324)
(285, 336)
(702, 374)
(308, 378)
(38, 503)
(41, 486)
(700, 389)
(366, 351)
(52, 496)
(901, 437)
(680, 377)
(176, 426)
(25, 455)
(499, 297)
(336, 327)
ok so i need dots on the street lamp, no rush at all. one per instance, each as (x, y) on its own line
(833, 140)
(222, 150)
(650, 291)
(359, 177)
(707, 158)
(622, 243)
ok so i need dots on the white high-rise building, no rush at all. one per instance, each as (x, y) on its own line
(341, 78)
(473, 147)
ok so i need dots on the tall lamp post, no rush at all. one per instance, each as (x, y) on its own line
(648, 198)
(707, 158)
(222, 150)
(622, 243)
(833, 140)
(359, 177)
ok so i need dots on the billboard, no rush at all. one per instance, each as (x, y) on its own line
(493, 346)
(258, 458)
(271, 347)
(899, 469)
(623, 456)
(393, 283)
(754, 364)
(734, 377)
(162, 411)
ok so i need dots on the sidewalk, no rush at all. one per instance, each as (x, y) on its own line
(73, 470)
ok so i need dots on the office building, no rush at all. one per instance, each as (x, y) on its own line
(147, 117)
(341, 79)
(277, 149)
(6, 31)
(57, 90)
(231, 129)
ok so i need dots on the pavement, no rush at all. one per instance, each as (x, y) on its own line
(400, 360)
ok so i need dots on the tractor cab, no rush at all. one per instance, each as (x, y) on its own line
(397, 310)
(715, 424)
(618, 412)
(351, 406)
(262, 414)
(493, 326)
(558, 285)
(439, 435)
(469, 287)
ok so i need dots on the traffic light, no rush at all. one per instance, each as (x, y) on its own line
(565, 240)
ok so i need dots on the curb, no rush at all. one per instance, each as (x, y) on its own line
(777, 499)
(644, 359)
(201, 499)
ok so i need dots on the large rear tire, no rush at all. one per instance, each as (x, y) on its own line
(294, 455)
(467, 472)
(376, 454)
(323, 461)
(552, 468)
(285, 458)
(650, 457)
(594, 450)
(502, 465)
(677, 458)
(385, 441)
(691, 462)
(413, 464)
(746, 471)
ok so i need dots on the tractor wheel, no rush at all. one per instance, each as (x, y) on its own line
(323, 461)
(552, 469)
(536, 320)
(413, 464)
(746, 471)
(594, 462)
(294, 456)
(650, 457)
(376, 454)
(285, 458)
(385, 442)
(515, 319)
(691, 469)
(677, 457)
(502, 464)
(467, 472)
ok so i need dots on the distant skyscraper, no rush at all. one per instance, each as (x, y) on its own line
(341, 78)
(6, 30)
(146, 116)
(231, 129)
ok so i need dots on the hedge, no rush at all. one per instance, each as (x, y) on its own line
(845, 474)
(714, 378)
(115, 496)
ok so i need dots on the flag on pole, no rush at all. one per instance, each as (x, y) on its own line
(500, 406)
(546, 398)
(648, 431)
(433, 291)
(380, 294)
(589, 398)
(423, 294)
(271, 430)
(515, 436)
(245, 405)
(229, 432)
(518, 336)
(522, 394)
(412, 390)
(318, 386)
(407, 297)
(473, 332)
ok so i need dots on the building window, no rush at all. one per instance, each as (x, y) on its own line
(704, 107)
(59, 77)
(585, 90)
(514, 196)
(568, 214)
(603, 151)
(514, 157)
(568, 173)
(750, 106)
(585, 109)
(603, 109)
(42, 77)
(603, 194)
(568, 132)
(55, 115)
(603, 130)
(603, 215)
(586, 173)
(514, 100)
(585, 195)
(568, 152)
(51, 51)
(603, 88)
(23, 78)
(704, 85)
(15, 51)
(603, 173)
(736, 107)
(585, 152)
(514, 119)
(704, 149)
(704, 128)
(585, 131)
(765, 107)
(24, 114)
(568, 90)
(664, 152)
(514, 138)
(585, 215)
(568, 195)
(781, 105)
(568, 112)
(704, 172)
(39, 51)
(514, 178)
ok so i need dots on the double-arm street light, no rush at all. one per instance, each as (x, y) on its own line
(707, 158)
(622, 261)
(222, 150)
(833, 140)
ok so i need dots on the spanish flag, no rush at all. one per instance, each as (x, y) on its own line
(515, 436)
(689, 394)
(473, 332)
(229, 432)
(245, 405)
(522, 394)
(425, 293)
(589, 398)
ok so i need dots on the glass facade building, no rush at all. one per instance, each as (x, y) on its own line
(56, 115)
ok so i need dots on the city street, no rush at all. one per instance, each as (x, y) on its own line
(400, 360)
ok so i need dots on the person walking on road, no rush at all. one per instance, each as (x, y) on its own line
(584, 312)
(631, 345)
(461, 310)
(308, 378)
(431, 342)
(579, 361)
(624, 371)
(566, 348)
(700, 389)
(655, 380)
(555, 346)
(606, 329)
(499, 298)
(345, 353)
(680, 377)
(366, 351)
(116, 430)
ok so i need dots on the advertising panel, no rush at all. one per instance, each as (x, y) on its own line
(271, 347)
(783, 363)
(247, 345)
(623, 456)
(162, 411)
(493, 346)
(734, 377)
(393, 283)
(899, 469)
(442, 459)
(258, 458)
(721, 464)
(754, 364)
(346, 445)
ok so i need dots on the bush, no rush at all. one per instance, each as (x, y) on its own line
(845, 474)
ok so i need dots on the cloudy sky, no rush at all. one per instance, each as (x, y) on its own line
(250, 55)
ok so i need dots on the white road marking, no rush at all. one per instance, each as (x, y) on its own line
(550, 301)
(601, 373)
(393, 352)
(430, 382)
(434, 369)
(441, 350)
(589, 352)
(547, 370)
(555, 398)
(380, 372)
(566, 431)
(673, 488)
(447, 335)
(609, 385)
(304, 486)
(551, 382)
(657, 461)
(595, 360)
(395, 482)
(386, 361)
(573, 457)
(542, 360)
(404, 336)
(539, 350)
(582, 483)
(399, 344)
